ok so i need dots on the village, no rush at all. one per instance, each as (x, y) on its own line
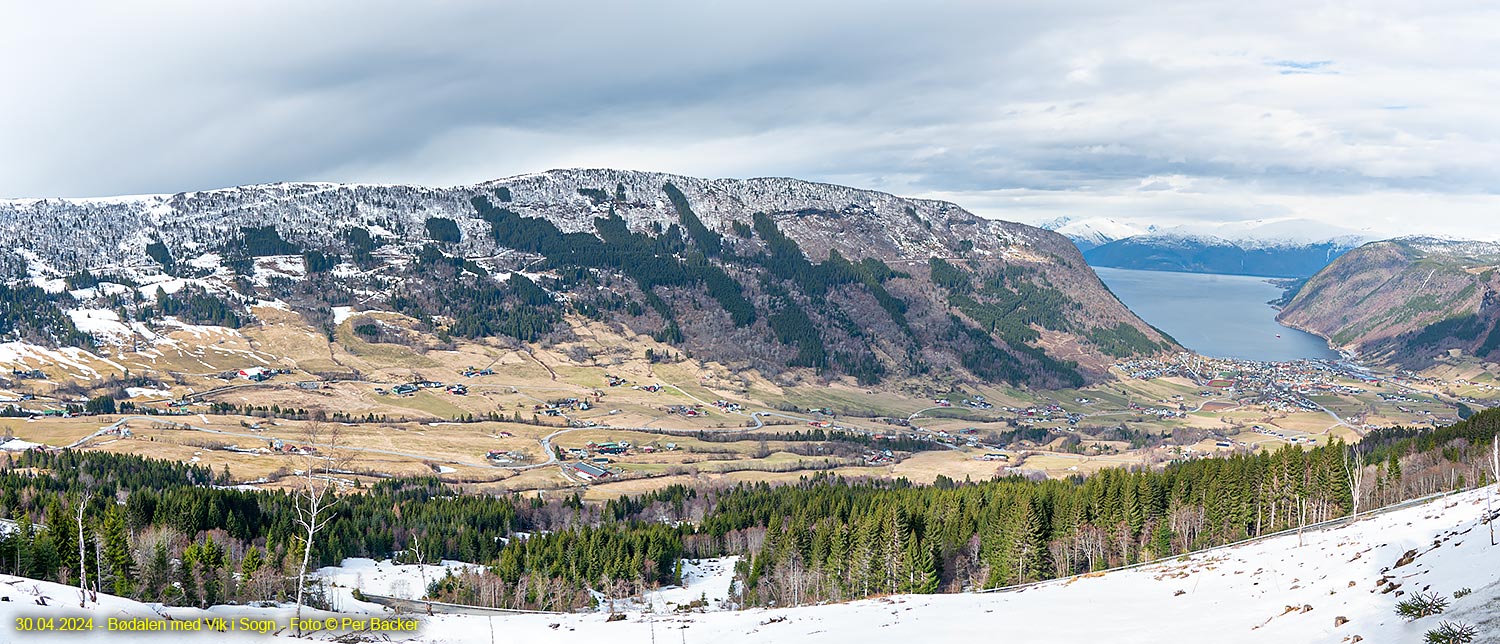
(535, 420)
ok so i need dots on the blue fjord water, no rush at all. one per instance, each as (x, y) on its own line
(1224, 316)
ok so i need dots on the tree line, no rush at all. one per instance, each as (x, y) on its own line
(173, 532)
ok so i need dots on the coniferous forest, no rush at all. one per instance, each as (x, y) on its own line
(173, 533)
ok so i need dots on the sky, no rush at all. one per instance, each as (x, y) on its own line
(1374, 116)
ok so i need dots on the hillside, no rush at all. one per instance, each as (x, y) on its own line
(1406, 300)
(1324, 586)
(772, 274)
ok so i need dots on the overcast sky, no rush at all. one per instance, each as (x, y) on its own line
(1371, 115)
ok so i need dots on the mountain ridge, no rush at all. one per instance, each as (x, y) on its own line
(626, 247)
(1405, 300)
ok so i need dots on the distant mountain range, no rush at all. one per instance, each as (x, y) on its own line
(1405, 300)
(1290, 248)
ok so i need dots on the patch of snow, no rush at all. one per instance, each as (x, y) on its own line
(341, 313)
(291, 267)
(207, 261)
(146, 392)
(407, 581)
(102, 323)
(198, 330)
(17, 445)
(50, 285)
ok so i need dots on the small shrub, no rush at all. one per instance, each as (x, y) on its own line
(1452, 633)
(1421, 605)
(1462, 593)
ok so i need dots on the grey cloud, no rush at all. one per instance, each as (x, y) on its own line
(1080, 108)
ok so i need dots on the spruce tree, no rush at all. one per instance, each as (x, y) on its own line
(117, 552)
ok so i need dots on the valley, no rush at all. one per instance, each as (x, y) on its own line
(499, 419)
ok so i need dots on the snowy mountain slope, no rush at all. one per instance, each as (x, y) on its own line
(1094, 231)
(22, 598)
(319, 246)
(91, 233)
(1287, 248)
(1272, 248)
(1237, 594)
(1256, 233)
(1274, 590)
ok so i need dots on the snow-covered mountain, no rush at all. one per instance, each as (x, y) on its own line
(1291, 248)
(665, 243)
(1335, 585)
(1094, 231)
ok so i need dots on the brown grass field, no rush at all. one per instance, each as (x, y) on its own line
(415, 434)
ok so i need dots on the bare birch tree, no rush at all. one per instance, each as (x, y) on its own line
(316, 494)
(1354, 469)
(83, 566)
(1489, 505)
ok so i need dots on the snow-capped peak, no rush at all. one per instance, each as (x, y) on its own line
(1095, 231)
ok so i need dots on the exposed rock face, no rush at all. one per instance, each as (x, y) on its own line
(1405, 300)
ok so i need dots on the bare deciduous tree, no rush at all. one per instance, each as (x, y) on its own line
(1489, 505)
(316, 493)
(83, 567)
(1354, 469)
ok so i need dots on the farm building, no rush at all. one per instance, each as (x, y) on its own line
(255, 374)
(589, 472)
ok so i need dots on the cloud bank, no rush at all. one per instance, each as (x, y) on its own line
(1375, 116)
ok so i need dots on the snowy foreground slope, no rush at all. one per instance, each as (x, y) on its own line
(1269, 591)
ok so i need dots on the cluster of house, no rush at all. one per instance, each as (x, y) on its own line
(1029, 416)
(686, 411)
(592, 461)
(1297, 439)
(560, 406)
(1400, 398)
(977, 402)
(502, 457)
(1149, 369)
(409, 388)
(728, 406)
(470, 372)
(256, 374)
(1158, 412)
(599, 453)
(28, 374)
(278, 446)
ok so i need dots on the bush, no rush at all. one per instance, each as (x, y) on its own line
(1421, 605)
(1452, 633)
(1462, 593)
